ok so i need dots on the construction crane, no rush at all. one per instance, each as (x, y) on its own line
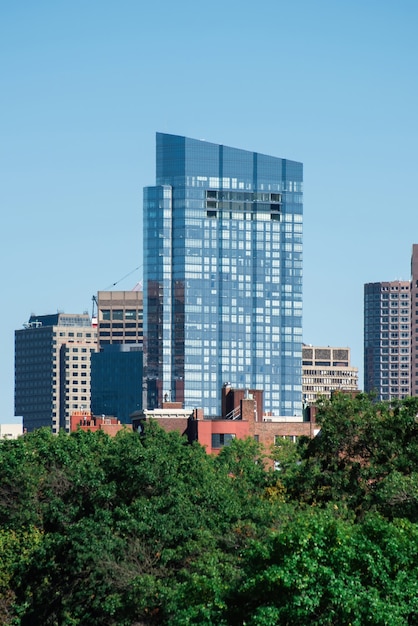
(94, 311)
(95, 305)
(123, 278)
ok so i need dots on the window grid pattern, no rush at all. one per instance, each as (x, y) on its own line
(223, 276)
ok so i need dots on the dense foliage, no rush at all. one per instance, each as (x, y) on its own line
(148, 530)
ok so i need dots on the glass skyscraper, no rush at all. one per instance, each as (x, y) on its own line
(222, 276)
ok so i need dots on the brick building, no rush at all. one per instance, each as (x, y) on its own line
(242, 417)
(85, 420)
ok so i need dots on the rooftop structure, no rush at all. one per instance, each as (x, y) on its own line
(85, 420)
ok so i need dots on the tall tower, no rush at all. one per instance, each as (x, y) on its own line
(223, 276)
(387, 339)
(52, 369)
(414, 320)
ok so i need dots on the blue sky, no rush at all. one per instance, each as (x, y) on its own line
(86, 85)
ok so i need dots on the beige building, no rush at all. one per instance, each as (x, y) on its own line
(326, 369)
(11, 431)
(52, 369)
(119, 317)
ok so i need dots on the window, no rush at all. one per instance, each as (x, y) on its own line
(292, 438)
(221, 439)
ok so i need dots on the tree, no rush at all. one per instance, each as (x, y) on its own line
(148, 529)
(145, 528)
(320, 568)
(360, 445)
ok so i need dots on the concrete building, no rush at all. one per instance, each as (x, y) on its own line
(119, 318)
(387, 339)
(325, 370)
(10, 431)
(222, 276)
(52, 369)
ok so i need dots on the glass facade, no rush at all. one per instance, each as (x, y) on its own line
(116, 381)
(223, 276)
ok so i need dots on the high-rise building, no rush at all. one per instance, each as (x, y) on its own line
(119, 317)
(387, 339)
(52, 369)
(414, 320)
(116, 369)
(223, 276)
(325, 370)
(116, 381)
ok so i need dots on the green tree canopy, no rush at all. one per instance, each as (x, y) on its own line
(151, 530)
(366, 455)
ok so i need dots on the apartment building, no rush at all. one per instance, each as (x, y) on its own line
(326, 369)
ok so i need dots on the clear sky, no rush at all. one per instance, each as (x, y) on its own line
(84, 87)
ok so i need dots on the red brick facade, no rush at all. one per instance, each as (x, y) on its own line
(84, 420)
(246, 421)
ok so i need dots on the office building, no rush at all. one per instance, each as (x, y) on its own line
(387, 339)
(326, 369)
(116, 381)
(119, 318)
(52, 369)
(222, 276)
(116, 369)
